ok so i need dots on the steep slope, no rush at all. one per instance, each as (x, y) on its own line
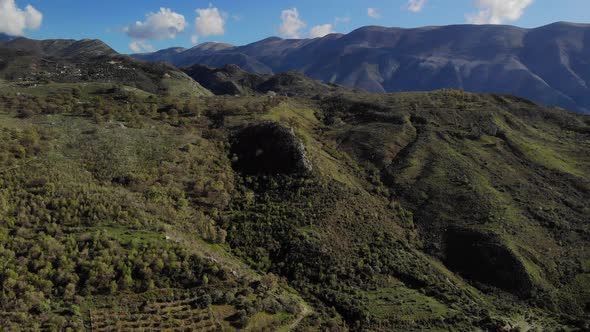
(495, 191)
(95, 252)
(62, 48)
(84, 65)
(489, 58)
(493, 187)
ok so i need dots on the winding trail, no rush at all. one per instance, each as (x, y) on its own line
(305, 311)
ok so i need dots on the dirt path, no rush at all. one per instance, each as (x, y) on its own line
(212, 253)
(305, 311)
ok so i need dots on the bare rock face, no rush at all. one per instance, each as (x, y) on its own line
(269, 149)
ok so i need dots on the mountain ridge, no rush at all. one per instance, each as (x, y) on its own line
(41, 63)
(61, 47)
(476, 58)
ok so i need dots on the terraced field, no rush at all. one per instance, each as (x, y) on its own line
(181, 314)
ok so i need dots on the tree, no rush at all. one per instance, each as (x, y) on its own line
(76, 92)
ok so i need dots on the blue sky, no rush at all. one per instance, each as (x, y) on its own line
(243, 21)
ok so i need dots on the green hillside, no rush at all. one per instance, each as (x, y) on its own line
(124, 207)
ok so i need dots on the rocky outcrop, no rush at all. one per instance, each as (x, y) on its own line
(484, 258)
(269, 149)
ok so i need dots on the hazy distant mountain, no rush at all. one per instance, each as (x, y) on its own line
(5, 37)
(550, 64)
(61, 47)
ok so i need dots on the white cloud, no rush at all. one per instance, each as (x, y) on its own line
(416, 5)
(195, 39)
(141, 46)
(164, 24)
(373, 13)
(209, 22)
(498, 11)
(321, 30)
(33, 17)
(291, 23)
(14, 21)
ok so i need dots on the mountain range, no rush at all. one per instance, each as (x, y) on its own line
(477, 58)
(139, 196)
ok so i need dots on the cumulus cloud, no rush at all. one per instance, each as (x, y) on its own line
(321, 30)
(14, 21)
(498, 11)
(291, 23)
(209, 22)
(141, 46)
(416, 5)
(373, 13)
(164, 24)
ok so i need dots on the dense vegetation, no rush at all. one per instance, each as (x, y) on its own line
(420, 211)
(115, 202)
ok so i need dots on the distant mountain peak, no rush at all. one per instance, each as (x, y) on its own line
(212, 46)
(4, 37)
(177, 49)
(164, 52)
(571, 24)
(271, 39)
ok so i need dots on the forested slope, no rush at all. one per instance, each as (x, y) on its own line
(122, 207)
